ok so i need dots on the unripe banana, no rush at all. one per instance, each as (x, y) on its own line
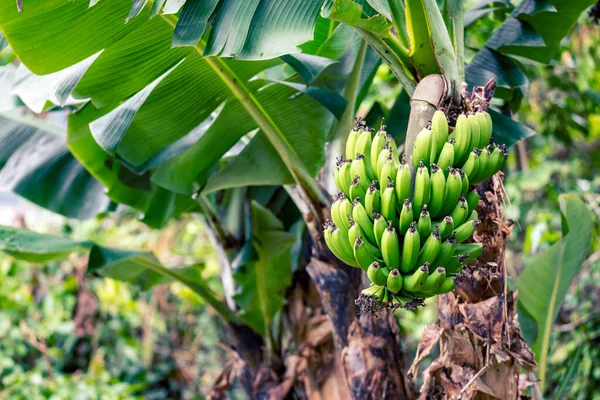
(422, 188)
(447, 286)
(424, 224)
(485, 170)
(390, 247)
(372, 199)
(394, 281)
(372, 290)
(439, 127)
(403, 183)
(351, 142)
(471, 166)
(377, 274)
(453, 191)
(336, 214)
(446, 158)
(379, 226)
(461, 134)
(498, 157)
(474, 215)
(434, 280)
(406, 217)
(465, 231)
(475, 136)
(363, 256)
(431, 248)
(456, 264)
(388, 204)
(363, 146)
(360, 216)
(377, 146)
(485, 127)
(356, 189)
(415, 281)
(381, 158)
(471, 250)
(336, 173)
(344, 176)
(472, 200)
(354, 232)
(392, 144)
(410, 249)
(388, 171)
(422, 149)
(438, 190)
(446, 227)
(447, 250)
(460, 212)
(465, 181)
(358, 168)
(339, 251)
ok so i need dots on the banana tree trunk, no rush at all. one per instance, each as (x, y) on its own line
(481, 347)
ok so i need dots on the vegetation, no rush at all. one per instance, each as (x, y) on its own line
(197, 143)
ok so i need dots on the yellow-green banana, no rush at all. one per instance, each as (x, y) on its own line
(377, 146)
(465, 231)
(434, 280)
(431, 248)
(358, 168)
(351, 141)
(475, 136)
(410, 249)
(498, 157)
(388, 172)
(344, 177)
(422, 188)
(424, 224)
(439, 127)
(356, 189)
(338, 246)
(472, 250)
(471, 166)
(363, 146)
(336, 213)
(390, 247)
(485, 127)
(461, 134)
(447, 286)
(372, 199)
(381, 158)
(403, 183)
(378, 274)
(452, 193)
(422, 149)
(363, 256)
(446, 227)
(354, 232)
(415, 281)
(379, 225)
(438, 190)
(472, 200)
(465, 181)
(406, 217)
(392, 144)
(388, 204)
(485, 169)
(447, 250)
(361, 217)
(394, 281)
(460, 212)
(446, 158)
(455, 265)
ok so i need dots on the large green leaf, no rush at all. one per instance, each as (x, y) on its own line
(545, 281)
(264, 279)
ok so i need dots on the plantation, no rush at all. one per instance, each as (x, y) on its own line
(273, 199)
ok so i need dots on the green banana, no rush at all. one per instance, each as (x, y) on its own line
(434, 280)
(361, 217)
(372, 199)
(415, 281)
(403, 183)
(377, 274)
(485, 127)
(422, 149)
(338, 247)
(363, 146)
(354, 232)
(456, 264)
(439, 127)
(344, 177)
(465, 231)
(475, 136)
(351, 141)
(377, 146)
(465, 181)
(422, 188)
(392, 144)
(472, 250)
(461, 134)
(471, 166)
(460, 212)
(381, 158)
(452, 193)
(474, 215)
(356, 189)
(394, 281)
(431, 248)
(372, 290)
(447, 286)
(438, 190)
(446, 158)
(406, 217)
(498, 157)
(388, 204)
(424, 224)
(485, 169)
(379, 226)
(336, 215)
(390, 247)
(363, 256)
(446, 227)
(358, 168)
(447, 250)
(472, 200)
(388, 171)
(410, 249)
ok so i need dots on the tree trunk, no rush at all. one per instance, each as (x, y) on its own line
(481, 347)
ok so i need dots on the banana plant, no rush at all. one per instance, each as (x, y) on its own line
(204, 106)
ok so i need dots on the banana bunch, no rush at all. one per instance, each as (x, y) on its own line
(406, 229)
